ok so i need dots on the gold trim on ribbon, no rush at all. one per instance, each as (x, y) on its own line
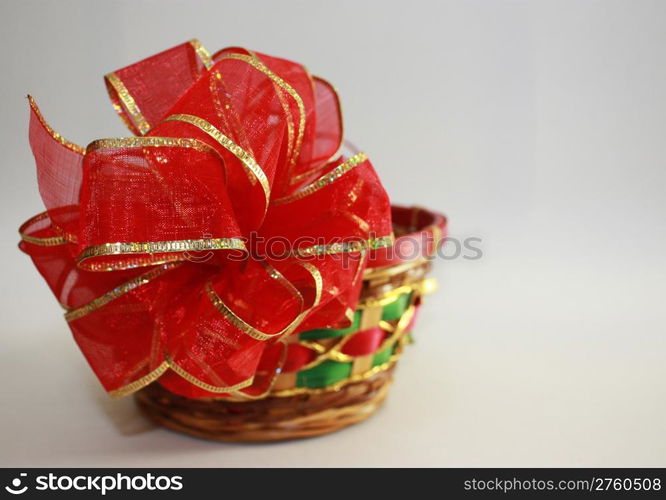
(346, 247)
(129, 106)
(153, 247)
(203, 385)
(253, 332)
(291, 143)
(273, 273)
(140, 383)
(324, 180)
(151, 377)
(338, 150)
(243, 396)
(245, 327)
(359, 269)
(142, 142)
(45, 242)
(247, 160)
(165, 365)
(118, 291)
(338, 102)
(319, 281)
(257, 64)
(202, 52)
(49, 241)
(131, 263)
(293, 149)
(68, 144)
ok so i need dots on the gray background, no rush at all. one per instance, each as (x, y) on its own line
(536, 126)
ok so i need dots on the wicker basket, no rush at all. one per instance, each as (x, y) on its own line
(334, 389)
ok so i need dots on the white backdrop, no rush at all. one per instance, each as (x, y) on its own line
(535, 126)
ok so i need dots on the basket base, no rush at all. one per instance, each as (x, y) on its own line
(269, 419)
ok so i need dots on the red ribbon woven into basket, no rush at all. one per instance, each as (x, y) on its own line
(191, 251)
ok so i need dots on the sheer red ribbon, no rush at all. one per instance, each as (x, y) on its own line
(190, 252)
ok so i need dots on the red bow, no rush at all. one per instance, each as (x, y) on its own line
(191, 252)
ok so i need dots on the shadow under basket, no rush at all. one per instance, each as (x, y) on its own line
(346, 373)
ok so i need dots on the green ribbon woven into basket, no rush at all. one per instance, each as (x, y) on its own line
(331, 372)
